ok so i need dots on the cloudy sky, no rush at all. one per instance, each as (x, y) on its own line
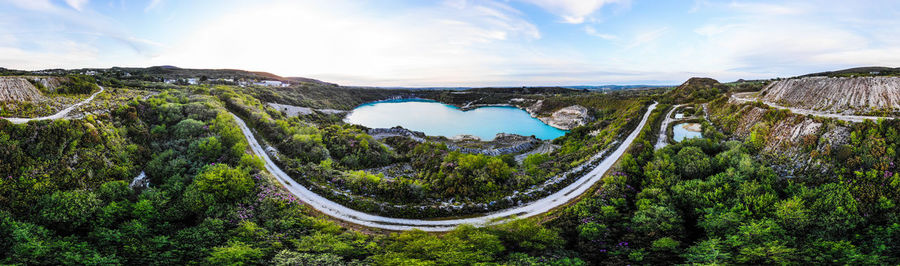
(458, 42)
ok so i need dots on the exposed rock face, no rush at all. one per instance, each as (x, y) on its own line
(18, 89)
(380, 133)
(140, 182)
(568, 118)
(535, 108)
(789, 137)
(516, 144)
(836, 95)
(465, 137)
(51, 83)
(291, 110)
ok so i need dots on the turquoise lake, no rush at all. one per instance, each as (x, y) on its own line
(437, 119)
(686, 131)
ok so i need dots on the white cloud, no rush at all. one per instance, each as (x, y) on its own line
(770, 9)
(153, 4)
(77, 4)
(34, 5)
(647, 37)
(593, 32)
(341, 41)
(573, 11)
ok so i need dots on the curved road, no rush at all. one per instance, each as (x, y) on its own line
(60, 114)
(745, 97)
(341, 212)
(338, 211)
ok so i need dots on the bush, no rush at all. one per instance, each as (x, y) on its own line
(68, 210)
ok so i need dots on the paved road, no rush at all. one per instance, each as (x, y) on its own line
(747, 97)
(60, 114)
(341, 212)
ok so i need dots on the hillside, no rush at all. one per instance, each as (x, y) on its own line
(858, 71)
(18, 89)
(836, 95)
(695, 89)
(171, 72)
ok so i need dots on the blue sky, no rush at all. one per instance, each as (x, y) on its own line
(458, 42)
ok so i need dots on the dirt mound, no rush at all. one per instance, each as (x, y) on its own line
(695, 88)
(836, 95)
(18, 89)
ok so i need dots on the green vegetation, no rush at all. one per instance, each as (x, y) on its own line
(325, 155)
(66, 198)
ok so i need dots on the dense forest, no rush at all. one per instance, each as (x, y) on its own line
(67, 197)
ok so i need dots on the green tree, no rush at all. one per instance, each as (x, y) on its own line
(217, 184)
(189, 128)
(68, 210)
(711, 251)
(235, 253)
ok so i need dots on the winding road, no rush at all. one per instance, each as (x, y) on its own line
(341, 212)
(58, 115)
(745, 97)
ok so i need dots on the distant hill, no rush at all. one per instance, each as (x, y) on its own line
(309, 80)
(616, 87)
(172, 72)
(858, 71)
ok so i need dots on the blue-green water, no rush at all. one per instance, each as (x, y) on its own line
(681, 132)
(437, 119)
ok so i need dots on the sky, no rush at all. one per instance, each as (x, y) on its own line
(417, 43)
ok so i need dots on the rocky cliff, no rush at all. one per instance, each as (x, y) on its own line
(792, 140)
(568, 118)
(51, 83)
(836, 95)
(18, 89)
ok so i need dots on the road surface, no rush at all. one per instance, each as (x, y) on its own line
(663, 137)
(341, 212)
(60, 114)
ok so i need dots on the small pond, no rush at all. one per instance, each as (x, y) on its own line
(686, 131)
(438, 119)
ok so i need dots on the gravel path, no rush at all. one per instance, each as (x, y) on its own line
(60, 114)
(663, 137)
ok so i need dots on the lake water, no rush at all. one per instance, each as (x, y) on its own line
(437, 119)
(686, 131)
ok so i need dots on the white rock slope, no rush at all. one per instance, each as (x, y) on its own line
(568, 118)
(836, 95)
(18, 89)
